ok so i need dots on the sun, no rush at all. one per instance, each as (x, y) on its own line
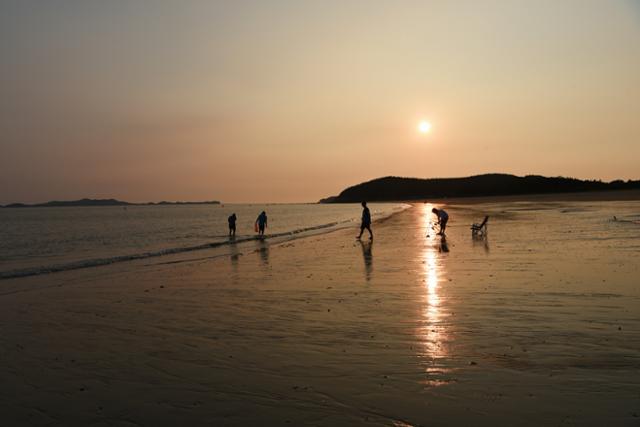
(424, 126)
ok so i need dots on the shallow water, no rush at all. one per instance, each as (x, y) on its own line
(35, 240)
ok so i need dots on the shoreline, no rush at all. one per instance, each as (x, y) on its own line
(184, 251)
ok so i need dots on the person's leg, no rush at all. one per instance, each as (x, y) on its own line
(443, 226)
(370, 232)
(361, 231)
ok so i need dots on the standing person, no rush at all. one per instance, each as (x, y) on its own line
(443, 217)
(366, 221)
(261, 223)
(232, 224)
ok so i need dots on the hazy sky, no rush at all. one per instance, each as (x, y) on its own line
(296, 100)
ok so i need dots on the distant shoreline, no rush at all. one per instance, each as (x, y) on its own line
(100, 203)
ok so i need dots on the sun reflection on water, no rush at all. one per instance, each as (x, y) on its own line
(433, 331)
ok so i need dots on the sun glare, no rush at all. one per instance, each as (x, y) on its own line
(424, 126)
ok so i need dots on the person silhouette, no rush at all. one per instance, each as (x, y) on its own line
(443, 217)
(261, 223)
(366, 221)
(232, 224)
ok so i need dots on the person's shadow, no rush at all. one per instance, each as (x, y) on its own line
(367, 255)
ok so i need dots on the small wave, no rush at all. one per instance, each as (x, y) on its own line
(97, 262)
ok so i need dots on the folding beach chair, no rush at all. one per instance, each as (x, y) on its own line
(480, 229)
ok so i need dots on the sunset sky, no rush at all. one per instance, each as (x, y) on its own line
(286, 101)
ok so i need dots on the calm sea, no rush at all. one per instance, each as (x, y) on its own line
(41, 240)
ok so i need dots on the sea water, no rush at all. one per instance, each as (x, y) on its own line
(41, 240)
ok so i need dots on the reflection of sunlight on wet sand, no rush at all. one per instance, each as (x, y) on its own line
(432, 333)
(433, 303)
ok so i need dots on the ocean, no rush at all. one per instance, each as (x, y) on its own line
(43, 240)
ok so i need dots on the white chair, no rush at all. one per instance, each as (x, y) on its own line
(480, 229)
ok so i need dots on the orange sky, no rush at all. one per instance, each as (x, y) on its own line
(294, 101)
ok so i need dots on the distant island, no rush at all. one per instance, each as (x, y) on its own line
(101, 202)
(393, 188)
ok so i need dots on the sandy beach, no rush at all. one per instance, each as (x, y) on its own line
(537, 324)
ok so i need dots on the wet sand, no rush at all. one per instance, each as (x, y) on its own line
(537, 324)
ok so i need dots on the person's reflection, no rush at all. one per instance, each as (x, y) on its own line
(263, 250)
(443, 246)
(367, 255)
(234, 254)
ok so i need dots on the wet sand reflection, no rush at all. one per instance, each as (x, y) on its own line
(234, 254)
(263, 251)
(433, 333)
(367, 255)
(481, 240)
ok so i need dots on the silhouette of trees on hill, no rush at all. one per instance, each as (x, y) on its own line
(396, 188)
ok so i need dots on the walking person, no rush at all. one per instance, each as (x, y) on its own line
(232, 225)
(366, 221)
(261, 223)
(443, 217)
